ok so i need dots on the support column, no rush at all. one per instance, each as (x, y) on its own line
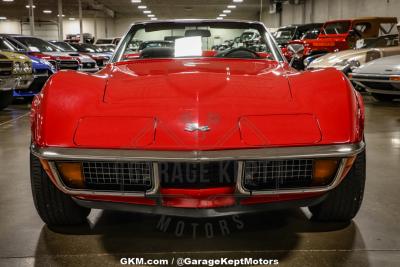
(80, 22)
(60, 21)
(31, 18)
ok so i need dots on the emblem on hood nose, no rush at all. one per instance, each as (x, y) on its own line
(191, 127)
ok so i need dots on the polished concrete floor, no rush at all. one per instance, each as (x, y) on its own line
(372, 239)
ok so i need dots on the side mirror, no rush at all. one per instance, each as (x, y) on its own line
(297, 51)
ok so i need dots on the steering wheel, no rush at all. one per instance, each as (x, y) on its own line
(241, 52)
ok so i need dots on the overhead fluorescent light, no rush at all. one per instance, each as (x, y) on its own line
(151, 15)
(220, 18)
(136, 1)
(47, 11)
(154, 19)
(147, 12)
(142, 7)
(222, 15)
(8, 1)
(3, 18)
(227, 11)
(237, 1)
(28, 6)
(71, 18)
(231, 6)
(62, 15)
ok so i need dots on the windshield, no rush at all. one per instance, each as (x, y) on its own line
(37, 45)
(88, 48)
(282, 36)
(6, 45)
(311, 34)
(196, 39)
(338, 27)
(104, 41)
(66, 47)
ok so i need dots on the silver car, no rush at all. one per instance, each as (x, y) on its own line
(380, 77)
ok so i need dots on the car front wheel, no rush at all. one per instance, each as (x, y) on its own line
(343, 202)
(54, 207)
(6, 98)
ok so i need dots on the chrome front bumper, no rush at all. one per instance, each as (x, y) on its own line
(53, 154)
(8, 83)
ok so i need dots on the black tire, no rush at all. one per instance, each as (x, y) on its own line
(54, 207)
(343, 202)
(6, 98)
(384, 97)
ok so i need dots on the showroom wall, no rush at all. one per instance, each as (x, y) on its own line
(99, 27)
(322, 10)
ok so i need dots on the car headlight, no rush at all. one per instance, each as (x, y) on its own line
(17, 68)
(27, 67)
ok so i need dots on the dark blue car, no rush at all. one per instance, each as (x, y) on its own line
(42, 70)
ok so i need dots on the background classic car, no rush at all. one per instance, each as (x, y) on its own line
(15, 71)
(117, 145)
(381, 78)
(338, 35)
(347, 60)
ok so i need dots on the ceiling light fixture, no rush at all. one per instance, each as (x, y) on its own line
(7, 1)
(238, 1)
(147, 11)
(151, 15)
(136, 1)
(220, 18)
(28, 6)
(231, 6)
(62, 15)
(47, 11)
(154, 19)
(3, 18)
(222, 15)
(142, 7)
(71, 18)
(227, 11)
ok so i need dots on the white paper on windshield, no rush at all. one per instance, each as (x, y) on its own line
(188, 47)
(360, 43)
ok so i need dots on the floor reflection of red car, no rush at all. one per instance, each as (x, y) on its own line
(199, 135)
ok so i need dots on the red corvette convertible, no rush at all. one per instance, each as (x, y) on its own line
(187, 131)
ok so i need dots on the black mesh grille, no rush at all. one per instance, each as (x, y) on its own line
(69, 64)
(275, 174)
(197, 175)
(6, 64)
(118, 176)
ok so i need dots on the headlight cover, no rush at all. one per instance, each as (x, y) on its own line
(17, 67)
(27, 67)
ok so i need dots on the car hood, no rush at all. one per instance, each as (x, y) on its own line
(331, 59)
(230, 97)
(82, 58)
(13, 56)
(386, 65)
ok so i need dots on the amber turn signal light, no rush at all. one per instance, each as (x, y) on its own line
(395, 78)
(324, 171)
(71, 174)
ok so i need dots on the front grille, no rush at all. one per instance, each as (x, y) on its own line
(197, 175)
(118, 176)
(276, 174)
(6, 65)
(5, 72)
(69, 64)
(41, 72)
